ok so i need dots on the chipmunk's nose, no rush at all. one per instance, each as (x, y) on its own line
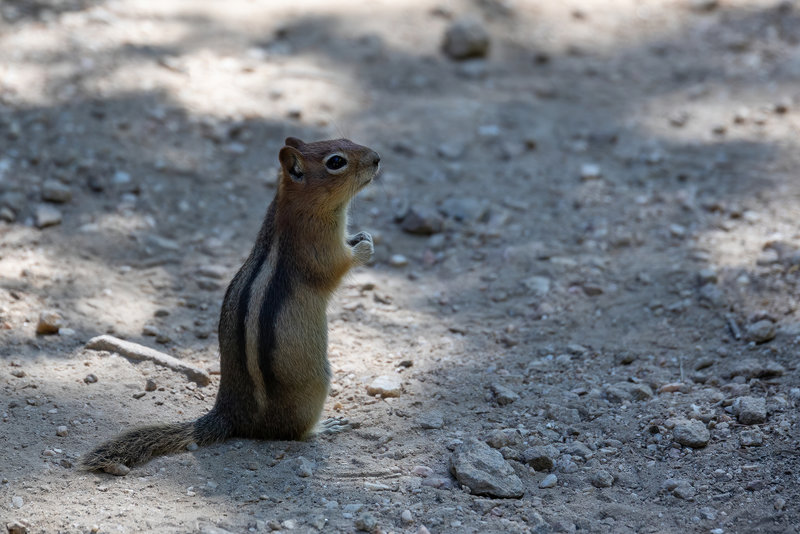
(376, 158)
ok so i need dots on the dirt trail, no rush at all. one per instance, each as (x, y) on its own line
(608, 297)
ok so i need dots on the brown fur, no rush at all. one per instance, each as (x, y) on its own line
(273, 329)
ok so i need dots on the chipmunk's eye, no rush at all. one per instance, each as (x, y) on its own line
(335, 162)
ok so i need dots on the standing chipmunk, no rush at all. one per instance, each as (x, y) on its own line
(273, 334)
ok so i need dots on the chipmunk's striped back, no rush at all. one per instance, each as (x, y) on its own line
(272, 329)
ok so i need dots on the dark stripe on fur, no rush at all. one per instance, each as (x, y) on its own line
(280, 287)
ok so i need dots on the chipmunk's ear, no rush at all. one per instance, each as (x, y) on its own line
(292, 162)
(293, 141)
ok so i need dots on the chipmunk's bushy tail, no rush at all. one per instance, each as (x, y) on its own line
(139, 445)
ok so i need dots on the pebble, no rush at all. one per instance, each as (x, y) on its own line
(703, 5)
(751, 368)
(549, 481)
(590, 171)
(49, 322)
(432, 420)
(761, 331)
(45, 216)
(385, 386)
(484, 470)
(150, 385)
(90, 378)
(691, 433)
(422, 221)
(422, 471)
(466, 38)
(541, 457)
(398, 260)
(751, 438)
(62, 431)
(601, 479)
(464, 209)
(750, 410)
(504, 438)
(303, 467)
(406, 516)
(55, 191)
(366, 522)
(17, 502)
(17, 527)
(503, 395)
(452, 150)
(537, 285)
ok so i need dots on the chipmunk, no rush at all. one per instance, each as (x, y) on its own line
(273, 335)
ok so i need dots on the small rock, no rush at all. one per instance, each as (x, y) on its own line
(504, 438)
(17, 502)
(303, 467)
(398, 260)
(17, 527)
(7, 214)
(684, 490)
(711, 296)
(691, 433)
(90, 378)
(385, 386)
(432, 420)
(750, 368)
(139, 394)
(422, 221)
(46, 216)
(580, 450)
(750, 410)
(150, 385)
(150, 330)
(601, 479)
(537, 285)
(484, 471)
(464, 209)
(590, 171)
(466, 38)
(703, 5)
(503, 395)
(55, 191)
(761, 331)
(406, 516)
(366, 522)
(49, 322)
(18, 373)
(751, 438)
(451, 150)
(541, 458)
(549, 481)
(62, 431)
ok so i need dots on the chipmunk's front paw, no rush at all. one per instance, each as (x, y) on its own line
(363, 248)
(353, 240)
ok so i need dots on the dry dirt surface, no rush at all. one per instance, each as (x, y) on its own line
(585, 286)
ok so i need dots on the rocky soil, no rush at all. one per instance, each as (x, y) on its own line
(583, 311)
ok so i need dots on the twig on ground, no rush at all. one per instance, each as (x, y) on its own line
(135, 351)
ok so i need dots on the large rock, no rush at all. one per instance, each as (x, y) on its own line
(466, 38)
(484, 471)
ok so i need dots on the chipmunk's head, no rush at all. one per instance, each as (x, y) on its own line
(326, 174)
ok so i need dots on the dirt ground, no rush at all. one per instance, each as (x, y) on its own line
(618, 259)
